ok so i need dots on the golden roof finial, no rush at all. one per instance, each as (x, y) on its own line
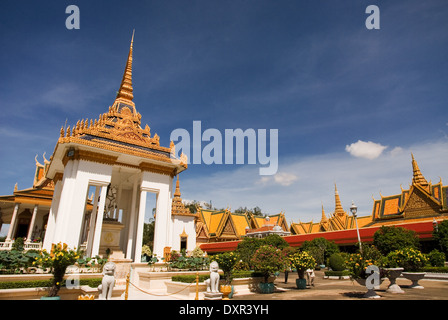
(177, 192)
(324, 217)
(417, 175)
(125, 93)
(338, 206)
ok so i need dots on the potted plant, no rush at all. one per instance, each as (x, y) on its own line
(412, 261)
(302, 261)
(392, 264)
(227, 262)
(146, 253)
(357, 266)
(57, 260)
(152, 261)
(267, 260)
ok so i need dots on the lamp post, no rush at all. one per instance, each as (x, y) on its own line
(354, 210)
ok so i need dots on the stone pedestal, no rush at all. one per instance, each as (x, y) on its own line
(212, 295)
(110, 236)
(122, 267)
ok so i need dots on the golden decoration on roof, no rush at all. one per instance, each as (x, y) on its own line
(417, 175)
(120, 129)
(125, 93)
(177, 207)
(338, 210)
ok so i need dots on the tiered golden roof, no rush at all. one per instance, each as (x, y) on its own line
(422, 200)
(120, 130)
(224, 225)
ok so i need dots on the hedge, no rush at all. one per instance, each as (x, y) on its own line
(337, 273)
(192, 278)
(93, 283)
(435, 269)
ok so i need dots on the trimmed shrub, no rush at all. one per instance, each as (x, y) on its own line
(93, 283)
(337, 273)
(436, 258)
(336, 262)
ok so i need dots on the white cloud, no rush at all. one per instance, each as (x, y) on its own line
(283, 179)
(368, 150)
(396, 151)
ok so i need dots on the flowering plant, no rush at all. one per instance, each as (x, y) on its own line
(408, 258)
(59, 258)
(268, 259)
(302, 261)
(226, 262)
(357, 265)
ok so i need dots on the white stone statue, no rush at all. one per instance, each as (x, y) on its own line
(213, 281)
(108, 282)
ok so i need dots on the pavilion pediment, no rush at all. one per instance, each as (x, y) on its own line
(420, 204)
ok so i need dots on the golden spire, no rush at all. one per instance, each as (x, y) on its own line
(177, 192)
(338, 210)
(324, 217)
(177, 207)
(125, 93)
(417, 175)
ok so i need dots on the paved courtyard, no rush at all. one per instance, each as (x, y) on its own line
(326, 289)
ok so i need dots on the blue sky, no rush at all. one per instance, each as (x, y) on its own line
(310, 69)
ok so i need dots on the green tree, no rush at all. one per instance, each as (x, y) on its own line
(320, 248)
(256, 211)
(440, 235)
(388, 239)
(148, 233)
(246, 249)
(276, 241)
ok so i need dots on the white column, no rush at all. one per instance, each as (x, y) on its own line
(13, 223)
(65, 201)
(50, 230)
(163, 226)
(93, 216)
(140, 223)
(31, 227)
(99, 222)
(131, 226)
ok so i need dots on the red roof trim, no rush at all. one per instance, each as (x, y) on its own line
(342, 237)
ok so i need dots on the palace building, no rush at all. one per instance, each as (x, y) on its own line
(27, 210)
(423, 201)
(223, 225)
(418, 208)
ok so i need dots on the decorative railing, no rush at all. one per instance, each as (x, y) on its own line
(27, 246)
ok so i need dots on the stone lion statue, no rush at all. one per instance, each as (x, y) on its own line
(108, 282)
(213, 282)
